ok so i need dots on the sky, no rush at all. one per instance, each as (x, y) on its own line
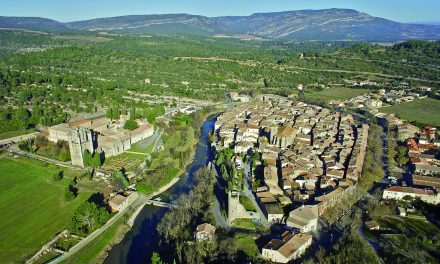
(73, 10)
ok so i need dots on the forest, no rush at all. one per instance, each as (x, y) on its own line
(46, 78)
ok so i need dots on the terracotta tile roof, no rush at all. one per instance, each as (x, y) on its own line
(410, 190)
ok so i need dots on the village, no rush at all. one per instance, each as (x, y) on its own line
(380, 98)
(422, 178)
(310, 155)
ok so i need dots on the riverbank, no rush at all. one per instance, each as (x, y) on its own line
(143, 239)
(103, 253)
(130, 222)
(132, 219)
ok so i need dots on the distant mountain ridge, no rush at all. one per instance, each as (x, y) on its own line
(34, 23)
(147, 23)
(326, 24)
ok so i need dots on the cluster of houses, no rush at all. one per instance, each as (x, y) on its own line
(423, 150)
(102, 135)
(376, 100)
(310, 155)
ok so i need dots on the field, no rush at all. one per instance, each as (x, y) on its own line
(32, 205)
(335, 93)
(425, 111)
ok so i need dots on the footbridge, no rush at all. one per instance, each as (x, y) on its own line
(158, 203)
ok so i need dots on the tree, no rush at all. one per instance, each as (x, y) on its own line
(119, 180)
(87, 218)
(69, 193)
(27, 145)
(87, 157)
(155, 259)
(96, 161)
(131, 124)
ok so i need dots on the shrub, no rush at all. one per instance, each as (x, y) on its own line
(58, 176)
(131, 124)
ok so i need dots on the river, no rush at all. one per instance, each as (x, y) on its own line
(139, 243)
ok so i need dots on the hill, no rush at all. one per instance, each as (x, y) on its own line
(33, 23)
(328, 24)
(323, 25)
(159, 24)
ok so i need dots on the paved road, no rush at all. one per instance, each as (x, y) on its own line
(158, 141)
(67, 164)
(216, 210)
(219, 219)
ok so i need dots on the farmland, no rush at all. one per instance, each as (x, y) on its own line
(423, 111)
(32, 205)
(335, 93)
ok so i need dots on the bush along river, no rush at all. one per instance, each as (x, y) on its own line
(142, 240)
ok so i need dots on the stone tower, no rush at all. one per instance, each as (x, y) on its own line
(80, 140)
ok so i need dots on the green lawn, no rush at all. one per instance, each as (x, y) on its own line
(247, 203)
(425, 111)
(32, 205)
(89, 253)
(245, 224)
(335, 93)
(142, 149)
(246, 243)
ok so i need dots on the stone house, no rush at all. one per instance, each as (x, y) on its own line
(399, 192)
(304, 218)
(289, 247)
(205, 232)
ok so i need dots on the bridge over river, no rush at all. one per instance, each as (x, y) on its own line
(158, 203)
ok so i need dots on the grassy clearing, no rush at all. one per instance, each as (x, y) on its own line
(32, 205)
(245, 224)
(246, 243)
(396, 239)
(90, 253)
(142, 149)
(413, 241)
(335, 93)
(247, 203)
(425, 111)
(404, 224)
